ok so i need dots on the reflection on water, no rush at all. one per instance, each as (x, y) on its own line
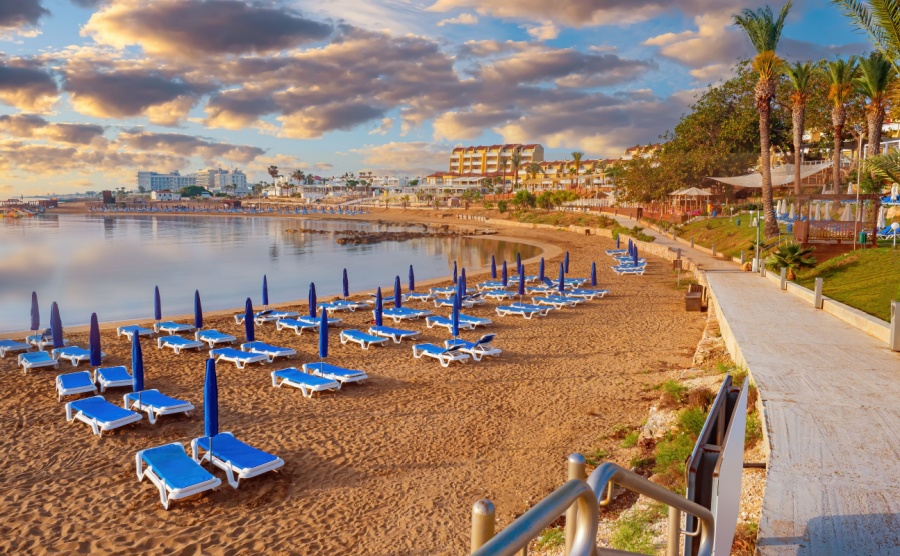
(109, 264)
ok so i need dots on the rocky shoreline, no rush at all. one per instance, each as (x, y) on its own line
(360, 237)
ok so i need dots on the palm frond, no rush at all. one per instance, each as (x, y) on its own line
(875, 76)
(880, 20)
(800, 74)
(841, 74)
(884, 166)
(763, 30)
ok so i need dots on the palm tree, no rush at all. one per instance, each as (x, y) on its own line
(792, 256)
(875, 77)
(885, 167)
(576, 158)
(533, 169)
(880, 19)
(764, 32)
(298, 175)
(841, 74)
(799, 75)
(516, 161)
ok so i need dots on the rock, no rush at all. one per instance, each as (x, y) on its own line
(659, 421)
(747, 267)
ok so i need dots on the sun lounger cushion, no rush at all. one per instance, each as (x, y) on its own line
(334, 372)
(238, 357)
(173, 472)
(232, 455)
(444, 355)
(505, 310)
(477, 321)
(307, 383)
(446, 322)
(74, 354)
(155, 403)
(100, 414)
(213, 337)
(70, 384)
(177, 343)
(269, 350)
(127, 331)
(477, 349)
(37, 359)
(11, 346)
(170, 327)
(364, 340)
(396, 334)
(112, 377)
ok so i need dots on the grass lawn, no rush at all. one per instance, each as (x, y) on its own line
(724, 232)
(867, 280)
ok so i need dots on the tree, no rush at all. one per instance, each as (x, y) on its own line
(193, 191)
(880, 19)
(764, 32)
(793, 257)
(524, 199)
(298, 176)
(576, 158)
(799, 75)
(516, 161)
(875, 76)
(545, 200)
(141, 189)
(841, 74)
(413, 182)
(533, 170)
(273, 171)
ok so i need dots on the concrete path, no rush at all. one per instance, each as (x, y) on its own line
(831, 398)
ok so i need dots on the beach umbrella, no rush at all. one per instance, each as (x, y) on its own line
(56, 329)
(249, 330)
(157, 305)
(210, 402)
(454, 317)
(463, 283)
(882, 221)
(618, 242)
(312, 300)
(137, 363)
(566, 262)
(265, 292)
(846, 215)
(634, 255)
(493, 268)
(323, 335)
(791, 213)
(35, 312)
(412, 279)
(518, 260)
(504, 276)
(593, 274)
(541, 270)
(521, 287)
(817, 215)
(455, 273)
(94, 342)
(398, 302)
(561, 286)
(198, 311)
(346, 285)
(378, 308)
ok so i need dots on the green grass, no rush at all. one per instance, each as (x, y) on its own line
(691, 420)
(633, 533)
(753, 429)
(671, 454)
(674, 389)
(865, 279)
(551, 538)
(597, 457)
(538, 216)
(724, 232)
(631, 439)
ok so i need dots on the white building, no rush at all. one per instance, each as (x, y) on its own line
(165, 195)
(173, 181)
(222, 181)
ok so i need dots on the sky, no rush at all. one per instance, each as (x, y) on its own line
(92, 91)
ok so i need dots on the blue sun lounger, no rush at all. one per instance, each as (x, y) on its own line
(498, 294)
(398, 314)
(622, 270)
(73, 354)
(213, 337)
(173, 472)
(70, 384)
(614, 252)
(100, 414)
(156, 404)
(364, 340)
(586, 294)
(298, 326)
(268, 315)
(468, 301)
(240, 358)
(477, 321)
(307, 383)
(268, 350)
(396, 334)
(112, 377)
(528, 313)
(177, 343)
(556, 301)
(35, 360)
(12, 346)
(343, 305)
(446, 322)
(477, 349)
(417, 296)
(333, 372)
(491, 285)
(127, 331)
(444, 355)
(239, 460)
(170, 327)
(443, 290)
(43, 340)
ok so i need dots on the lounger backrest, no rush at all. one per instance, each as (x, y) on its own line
(486, 339)
(455, 347)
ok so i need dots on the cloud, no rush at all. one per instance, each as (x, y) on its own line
(568, 66)
(546, 32)
(188, 145)
(30, 125)
(315, 122)
(710, 51)
(184, 28)
(461, 19)
(405, 157)
(18, 15)
(489, 47)
(470, 123)
(26, 88)
(386, 125)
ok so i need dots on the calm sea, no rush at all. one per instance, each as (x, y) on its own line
(109, 264)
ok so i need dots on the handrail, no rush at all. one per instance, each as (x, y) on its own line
(529, 525)
(611, 473)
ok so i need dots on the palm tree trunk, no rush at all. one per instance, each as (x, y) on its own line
(875, 119)
(798, 116)
(771, 227)
(838, 133)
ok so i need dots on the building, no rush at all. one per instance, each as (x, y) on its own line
(639, 151)
(165, 195)
(173, 181)
(492, 159)
(223, 181)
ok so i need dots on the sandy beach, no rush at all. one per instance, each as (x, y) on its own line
(392, 466)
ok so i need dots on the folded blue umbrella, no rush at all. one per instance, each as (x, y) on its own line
(493, 268)
(312, 301)
(566, 262)
(210, 401)
(56, 329)
(562, 279)
(541, 270)
(323, 334)
(94, 342)
(35, 312)
(455, 274)
(249, 328)
(618, 242)
(521, 286)
(157, 305)
(397, 300)
(137, 363)
(593, 274)
(454, 317)
(461, 285)
(378, 308)
(198, 311)
(503, 276)
(346, 285)
(265, 291)
(412, 279)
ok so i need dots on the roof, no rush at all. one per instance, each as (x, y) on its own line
(781, 175)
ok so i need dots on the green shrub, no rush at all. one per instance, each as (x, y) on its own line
(753, 430)
(631, 439)
(502, 206)
(671, 454)
(597, 457)
(488, 205)
(691, 420)
(551, 538)
(674, 389)
(633, 533)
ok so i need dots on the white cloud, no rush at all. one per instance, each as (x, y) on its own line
(386, 125)
(461, 19)
(546, 32)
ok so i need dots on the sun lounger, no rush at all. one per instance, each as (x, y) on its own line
(343, 305)
(298, 326)
(477, 321)
(74, 354)
(170, 327)
(173, 472)
(491, 285)
(498, 294)
(467, 301)
(364, 340)
(446, 322)
(417, 296)
(127, 331)
(395, 334)
(177, 343)
(307, 383)
(100, 414)
(70, 384)
(268, 350)
(528, 313)
(155, 403)
(621, 270)
(586, 294)
(572, 282)
(443, 290)
(333, 372)
(213, 337)
(240, 358)
(614, 252)
(112, 377)
(556, 301)
(12, 346)
(444, 355)
(238, 459)
(36, 359)
(43, 340)
(404, 313)
(478, 349)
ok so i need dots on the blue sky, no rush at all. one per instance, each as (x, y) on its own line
(91, 91)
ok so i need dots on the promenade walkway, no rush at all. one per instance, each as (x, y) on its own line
(831, 398)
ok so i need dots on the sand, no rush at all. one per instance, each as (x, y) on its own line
(392, 466)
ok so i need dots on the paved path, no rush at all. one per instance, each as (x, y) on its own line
(831, 395)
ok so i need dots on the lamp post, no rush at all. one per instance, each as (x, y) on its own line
(756, 259)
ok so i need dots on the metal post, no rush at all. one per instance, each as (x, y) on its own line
(762, 268)
(743, 260)
(713, 249)
(576, 469)
(483, 523)
(895, 326)
(672, 545)
(818, 300)
(784, 277)
(692, 242)
(678, 253)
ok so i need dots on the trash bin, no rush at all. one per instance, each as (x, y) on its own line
(790, 227)
(713, 214)
(737, 222)
(863, 237)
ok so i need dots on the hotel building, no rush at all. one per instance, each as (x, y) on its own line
(173, 181)
(492, 159)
